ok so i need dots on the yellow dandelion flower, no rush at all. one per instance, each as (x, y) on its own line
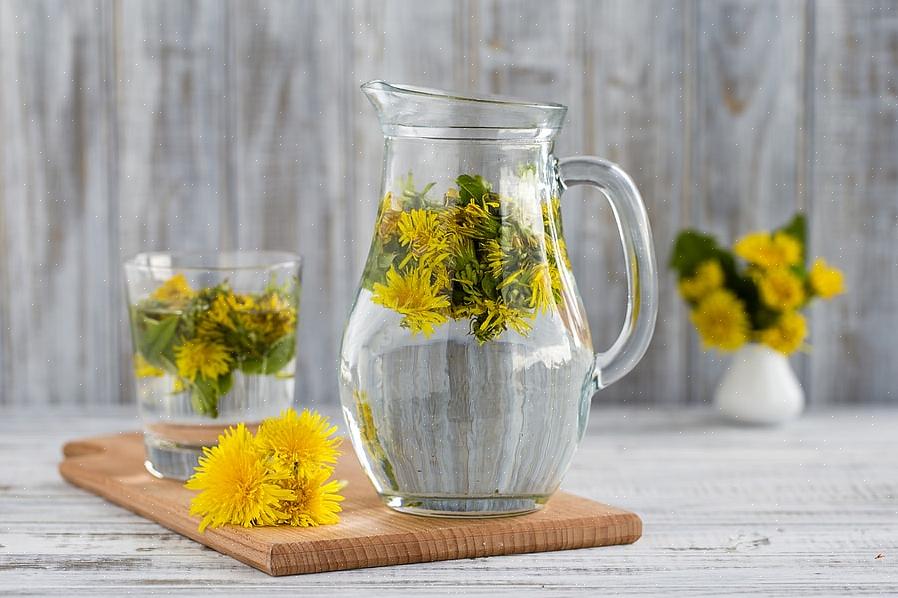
(414, 296)
(541, 297)
(271, 318)
(556, 252)
(464, 311)
(769, 251)
(367, 429)
(496, 257)
(789, 247)
(281, 323)
(389, 222)
(441, 277)
(178, 386)
(174, 290)
(274, 303)
(235, 484)
(476, 222)
(721, 321)
(826, 281)
(557, 281)
(317, 501)
(559, 249)
(302, 442)
(239, 302)
(281, 316)
(787, 335)
(220, 311)
(423, 232)
(754, 247)
(781, 289)
(144, 369)
(368, 432)
(708, 277)
(498, 317)
(388, 217)
(208, 330)
(551, 210)
(386, 204)
(201, 357)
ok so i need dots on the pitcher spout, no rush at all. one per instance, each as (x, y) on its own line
(410, 111)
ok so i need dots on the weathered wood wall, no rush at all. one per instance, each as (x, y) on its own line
(128, 125)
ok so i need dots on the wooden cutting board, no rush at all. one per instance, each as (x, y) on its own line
(368, 535)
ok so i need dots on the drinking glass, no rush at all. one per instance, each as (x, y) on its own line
(214, 344)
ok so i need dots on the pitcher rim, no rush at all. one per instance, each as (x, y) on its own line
(413, 111)
(442, 93)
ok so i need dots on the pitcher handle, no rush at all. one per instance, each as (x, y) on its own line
(642, 277)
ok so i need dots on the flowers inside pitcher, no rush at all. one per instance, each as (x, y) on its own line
(467, 366)
(466, 254)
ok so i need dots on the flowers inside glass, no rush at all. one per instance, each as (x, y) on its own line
(214, 343)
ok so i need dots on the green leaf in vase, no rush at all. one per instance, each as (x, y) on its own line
(471, 188)
(225, 382)
(167, 362)
(204, 396)
(797, 228)
(385, 260)
(691, 249)
(157, 338)
(279, 354)
(252, 365)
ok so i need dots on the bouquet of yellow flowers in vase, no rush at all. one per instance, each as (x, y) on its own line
(469, 254)
(201, 338)
(754, 292)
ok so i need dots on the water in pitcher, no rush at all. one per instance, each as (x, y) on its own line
(479, 428)
(467, 365)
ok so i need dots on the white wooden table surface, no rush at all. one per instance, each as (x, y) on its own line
(807, 509)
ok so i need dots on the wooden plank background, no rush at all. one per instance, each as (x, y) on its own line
(130, 125)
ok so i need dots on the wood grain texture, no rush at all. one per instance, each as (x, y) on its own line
(855, 183)
(59, 339)
(634, 113)
(801, 510)
(368, 535)
(130, 125)
(174, 126)
(748, 132)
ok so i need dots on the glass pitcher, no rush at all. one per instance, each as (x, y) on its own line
(467, 366)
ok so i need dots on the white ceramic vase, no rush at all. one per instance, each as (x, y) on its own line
(759, 388)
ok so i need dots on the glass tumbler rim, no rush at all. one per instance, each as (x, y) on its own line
(212, 261)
